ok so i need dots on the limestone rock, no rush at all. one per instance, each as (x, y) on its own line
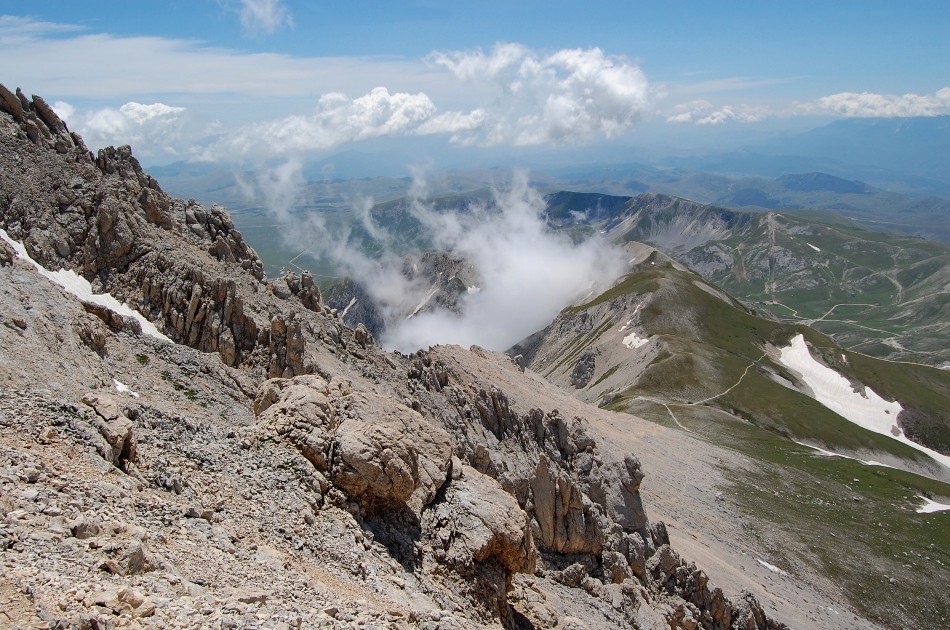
(568, 520)
(114, 427)
(362, 336)
(583, 370)
(391, 450)
(286, 346)
(374, 448)
(478, 522)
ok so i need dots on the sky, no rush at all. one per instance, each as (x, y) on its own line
(245, 80)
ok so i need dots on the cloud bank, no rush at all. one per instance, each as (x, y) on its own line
(702, 112)
(151, 129)
(870, 105)
(336, 120)
(843, 104)
(529, 273)
(569, 96)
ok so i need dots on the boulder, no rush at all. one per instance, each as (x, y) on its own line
(583, 370)
(114, 427)
(376, 450)
(478, 522)
(389, 451)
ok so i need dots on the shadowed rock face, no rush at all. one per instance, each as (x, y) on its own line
(272, 455)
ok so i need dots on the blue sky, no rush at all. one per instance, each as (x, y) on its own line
(226, 79)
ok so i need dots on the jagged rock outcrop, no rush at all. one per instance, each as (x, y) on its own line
(382, 455)
(545, 460)
(305, 289)
(107, 219)
(374, 449)
(584, 369)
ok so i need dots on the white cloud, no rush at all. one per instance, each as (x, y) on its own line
(870, 105)
(453, 122)
(263, 16)
(17, 28)
(846, 104)
(528, 272)
(64, 110)
(337, 120)
(568, 96)
(702, 112)
(151, 129)
(139, 114)
(510, 95)
(63, 61)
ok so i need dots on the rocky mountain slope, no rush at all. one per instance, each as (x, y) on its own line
(253, 462)
(666, 345)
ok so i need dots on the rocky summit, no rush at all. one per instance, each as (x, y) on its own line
(213, 448)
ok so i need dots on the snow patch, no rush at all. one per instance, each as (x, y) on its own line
(813, 247)
(348, 307)
(929, 506)
(867, 410)
(122, 388)
(869, 462)
(473, 289)
(630, 321)
(633, 342)
(425, 300)
(771, 567)
(79, 287)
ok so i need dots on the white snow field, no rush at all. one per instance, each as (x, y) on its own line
(771, 567)
(929, 507)
(633, 342)
(122, 388)
(869, 462)
(349, 305)
(80, 288)
(867, 410)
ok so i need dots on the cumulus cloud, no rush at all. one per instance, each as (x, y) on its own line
(336, 120)
(702, 112)
(263, 16)
(64, 110)
(529, 273)
(566, 96)
(870, 105)
(508, 95)
(152, 128)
